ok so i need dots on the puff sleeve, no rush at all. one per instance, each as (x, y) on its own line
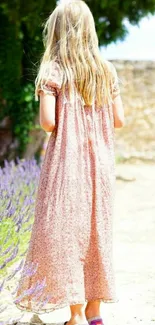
(114, 86)
(52, 80)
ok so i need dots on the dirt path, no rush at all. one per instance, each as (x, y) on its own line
(134, 251)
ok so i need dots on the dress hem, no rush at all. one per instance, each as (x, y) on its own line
(52, 309)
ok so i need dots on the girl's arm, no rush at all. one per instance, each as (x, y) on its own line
(47, 111)
(118, 112)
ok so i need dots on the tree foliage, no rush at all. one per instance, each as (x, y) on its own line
(21, 48)
(110, 16)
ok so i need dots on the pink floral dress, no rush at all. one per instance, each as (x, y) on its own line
(71, 239)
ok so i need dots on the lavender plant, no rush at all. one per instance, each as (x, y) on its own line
(18, 185)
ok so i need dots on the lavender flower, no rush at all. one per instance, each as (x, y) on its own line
(19, 181)
(7, 237)
(6, 251)
(17, 269)
(29, 291)
(29, 271)
(10, 258)
(2, 285)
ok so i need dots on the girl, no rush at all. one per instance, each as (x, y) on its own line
(80, 104)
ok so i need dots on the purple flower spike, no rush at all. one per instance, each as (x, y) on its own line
(2, 285)
(15, 271)
(6, 251)
(14, 254)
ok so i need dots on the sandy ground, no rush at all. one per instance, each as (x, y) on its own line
(134, 251)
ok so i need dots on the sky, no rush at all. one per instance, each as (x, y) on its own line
(139, 44)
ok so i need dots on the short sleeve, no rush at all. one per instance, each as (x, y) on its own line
(51, 82)
(114, 85)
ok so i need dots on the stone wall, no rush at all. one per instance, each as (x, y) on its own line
(137, 137)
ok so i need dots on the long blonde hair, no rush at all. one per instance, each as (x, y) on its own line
(70, 39)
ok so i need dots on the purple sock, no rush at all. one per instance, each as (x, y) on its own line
(97, 320)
